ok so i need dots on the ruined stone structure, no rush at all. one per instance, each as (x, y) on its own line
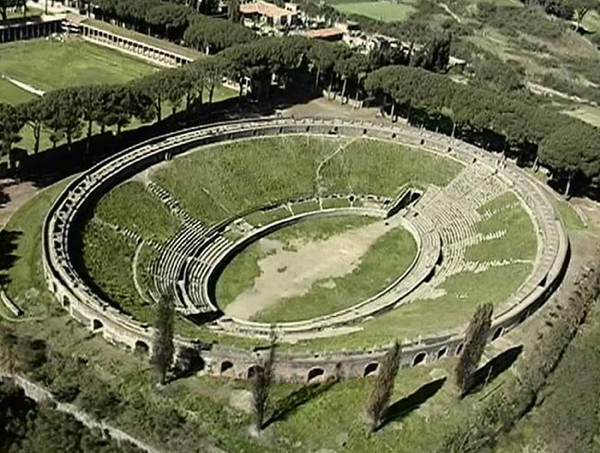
(30, 29)
(145, 51)
(440, 221)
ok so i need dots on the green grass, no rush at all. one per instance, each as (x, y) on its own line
(24, 279)
(335, 203)
(305, 206)
(385, 261)
(519, 242)
(571, 219)
(239, 275)
(319, 228)
(12, 94)
(48, 65)
(108, 257)
(384, 11)
(236, 177)
(464, 292)
(131, 206)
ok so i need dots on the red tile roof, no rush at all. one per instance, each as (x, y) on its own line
(264, 9)
(325, 33)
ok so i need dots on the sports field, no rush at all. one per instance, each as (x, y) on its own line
(52, 64)
(382, 10)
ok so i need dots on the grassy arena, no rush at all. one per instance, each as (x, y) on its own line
(385, 261)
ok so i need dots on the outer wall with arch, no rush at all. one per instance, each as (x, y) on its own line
(122, 330)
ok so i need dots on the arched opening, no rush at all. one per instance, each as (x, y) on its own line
(419, 358)
(442, 353)
(97, 325)
(315, 373)
(141, 347)
(253, 370)
(226, 366)
(66, 303)
(459, 349)
(371, 369)
(498, 333)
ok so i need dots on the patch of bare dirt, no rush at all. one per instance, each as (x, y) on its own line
(286, 273)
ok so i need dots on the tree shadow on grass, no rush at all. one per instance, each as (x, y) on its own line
(493, 368)
(288, 405)
(9, 241)
(405, 406)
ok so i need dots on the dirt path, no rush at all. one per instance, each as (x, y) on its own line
(286, 274)
(17, 194)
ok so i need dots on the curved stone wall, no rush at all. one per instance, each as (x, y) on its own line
(65, 282)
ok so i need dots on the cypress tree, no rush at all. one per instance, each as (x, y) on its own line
(164, 348)
(473, 347)
(261, 383)
(384, 386)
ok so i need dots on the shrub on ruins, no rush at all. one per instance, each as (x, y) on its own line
(473, 347)
(383, 388)
(163, 348)
(98, 399)
(261, 382)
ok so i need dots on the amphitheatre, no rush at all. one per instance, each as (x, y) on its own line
(333, 236)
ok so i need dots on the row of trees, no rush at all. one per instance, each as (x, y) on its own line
(186, 21)
(494, 120)
(71, 113)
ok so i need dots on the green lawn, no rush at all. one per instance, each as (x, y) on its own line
(384, 11)
(464, 292)
(50, 64)
(384, 262)
(131, 206)
(12, 94)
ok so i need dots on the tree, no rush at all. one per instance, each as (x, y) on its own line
(64, 114)
(171, 19)
(35, 113)
(12, 121)
(261, 382)
(435, 55)
(163, 349)
(473, 347)
(233, 11)
(378, 402)
(570, 150)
